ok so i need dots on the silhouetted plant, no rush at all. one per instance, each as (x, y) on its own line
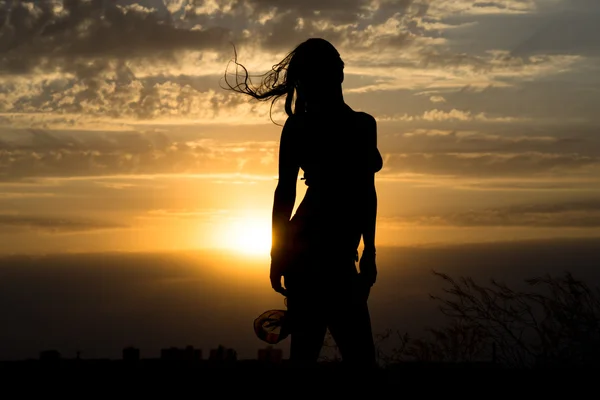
(556, 323)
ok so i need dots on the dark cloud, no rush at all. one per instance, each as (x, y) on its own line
(40, 153)
(123, 59)
(88, 47)
(216, 215)
(88, 35)
(350, 25)
(54, 224)
(566, 27)
(490, 165)
(433, 141)
(549, 185)
(129, 99)
(44, 154)
(567, 101)
(335, 11)
(519, 151)
(550, 27)
(581, 214)
(391, 31)
(93, 44)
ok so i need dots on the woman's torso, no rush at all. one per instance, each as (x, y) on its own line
(337, 159)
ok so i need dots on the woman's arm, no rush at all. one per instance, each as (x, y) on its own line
(370, 217)
(285, 192)
(375, 164)
(284, 200)
(367, 262)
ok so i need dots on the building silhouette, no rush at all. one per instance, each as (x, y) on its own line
(131, 353)
(270, 355)
(189, 353)
(223, 353)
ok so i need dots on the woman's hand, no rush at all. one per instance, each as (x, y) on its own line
(276, 275)
(368, 268)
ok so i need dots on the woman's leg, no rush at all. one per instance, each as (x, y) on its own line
(308, 324)
(308, 329)
(350, 326)
(306, 344)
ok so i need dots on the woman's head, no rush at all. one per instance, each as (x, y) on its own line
(314, 69)
(315, 66)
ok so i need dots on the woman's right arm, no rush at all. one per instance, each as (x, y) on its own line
(285, 192)
(284, 200)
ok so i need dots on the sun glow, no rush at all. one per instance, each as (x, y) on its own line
(248, 235)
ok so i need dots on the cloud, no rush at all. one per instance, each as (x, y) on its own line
(25, 195)
(491, 165)
(501, 157)
(437, 115)
(582, 214)
(54, 224)
(335, 11)
(435, 68)
(38, 153)
(509, 140)
(549, 185)
(564, 27)
(205, 214)
(528, 27)
(85, 37)
(126, 103)
(77, 59)
(459, 153)
(440, 9)
(76, 62)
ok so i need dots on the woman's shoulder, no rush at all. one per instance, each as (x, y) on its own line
(294, 121)
(300, 121)
(293, 124)
(365, 117)
(292, 129)
(361, 118)
(365, 122)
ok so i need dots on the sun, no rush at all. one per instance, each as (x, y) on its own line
(248, 235)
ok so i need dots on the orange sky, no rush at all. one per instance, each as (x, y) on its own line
(112, 140)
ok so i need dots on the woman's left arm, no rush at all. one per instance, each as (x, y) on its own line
(367, 265)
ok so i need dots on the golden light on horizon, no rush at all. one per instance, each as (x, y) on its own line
(249, 235)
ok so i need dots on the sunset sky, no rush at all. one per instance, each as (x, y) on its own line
(115, 133)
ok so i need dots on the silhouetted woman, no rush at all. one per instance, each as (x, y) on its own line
(316, 250)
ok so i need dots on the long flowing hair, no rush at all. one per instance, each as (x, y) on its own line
(311, 64)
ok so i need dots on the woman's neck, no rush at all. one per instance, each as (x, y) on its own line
(330, 102)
